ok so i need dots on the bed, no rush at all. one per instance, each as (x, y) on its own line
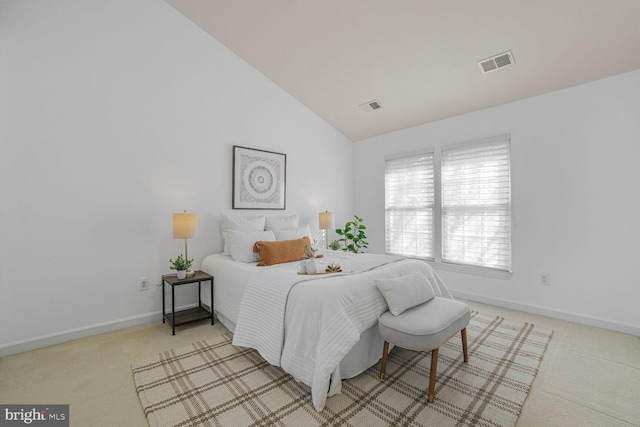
(320, 329)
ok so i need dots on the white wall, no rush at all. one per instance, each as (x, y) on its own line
(114, 115)
(575, 190)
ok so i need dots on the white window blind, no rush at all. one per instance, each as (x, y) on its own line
(409, 205)
(476, 204)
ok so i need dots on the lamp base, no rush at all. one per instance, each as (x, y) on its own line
(190, 273)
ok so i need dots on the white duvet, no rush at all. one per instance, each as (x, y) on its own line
(307, 324)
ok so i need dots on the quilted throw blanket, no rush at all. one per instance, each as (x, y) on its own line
(307, 324)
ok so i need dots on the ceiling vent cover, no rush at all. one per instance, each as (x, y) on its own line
(371, 105)
(496, 62)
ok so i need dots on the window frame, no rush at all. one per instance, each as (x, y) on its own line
(437, 261)
(414, 154)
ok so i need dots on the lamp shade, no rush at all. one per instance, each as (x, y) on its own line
(326, 221)
(185, 225)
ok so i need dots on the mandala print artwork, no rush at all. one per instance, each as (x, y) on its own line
(258, 179)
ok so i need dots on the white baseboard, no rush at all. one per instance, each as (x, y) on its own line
(549, 312)
(75, 334)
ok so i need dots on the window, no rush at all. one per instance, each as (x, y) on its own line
(476, 205)
(409, 205)
(467, 220)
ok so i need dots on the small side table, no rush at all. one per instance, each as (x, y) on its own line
(191, 314)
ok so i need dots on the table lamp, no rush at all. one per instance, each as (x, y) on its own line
(326, 222)
(185, 226)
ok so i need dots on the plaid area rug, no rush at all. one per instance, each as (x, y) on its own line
(213, 383)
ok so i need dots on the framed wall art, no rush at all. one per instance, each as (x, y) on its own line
(259, 179)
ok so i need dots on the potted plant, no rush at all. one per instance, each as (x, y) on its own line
(181, 266)
(335, 245)
(353, 236)
(310, 253)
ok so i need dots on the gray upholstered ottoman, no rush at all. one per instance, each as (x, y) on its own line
(425, 328)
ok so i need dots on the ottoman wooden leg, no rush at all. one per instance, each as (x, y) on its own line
(465, 352)
(432, 375)
(383, 364)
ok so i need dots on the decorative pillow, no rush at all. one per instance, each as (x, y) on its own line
(281, 222)
(283, 251)
(241, 243)
(402, 293)
(238, 222)
(294, 233)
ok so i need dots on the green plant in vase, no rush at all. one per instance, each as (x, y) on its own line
(335, 245)
(353, 236)
(310, 252)
(181, 265)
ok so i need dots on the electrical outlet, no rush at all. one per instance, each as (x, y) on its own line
(144, 284)
(545, 279)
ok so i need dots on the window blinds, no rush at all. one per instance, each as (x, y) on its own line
(476, 204)
(409, 205)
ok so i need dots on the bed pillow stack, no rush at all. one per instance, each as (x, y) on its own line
(294, 233)
(241, 243)
(241, 232)
(281, 223)
(237, 222)
(286, 228)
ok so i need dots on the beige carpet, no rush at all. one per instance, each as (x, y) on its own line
(217, 384)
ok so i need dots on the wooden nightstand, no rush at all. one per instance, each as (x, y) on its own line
(191, 314)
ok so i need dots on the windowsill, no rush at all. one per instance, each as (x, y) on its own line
(465, 269)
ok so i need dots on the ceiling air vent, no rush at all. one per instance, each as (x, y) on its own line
(496, 62)
(371, 105)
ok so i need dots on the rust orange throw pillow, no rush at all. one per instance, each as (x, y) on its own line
(281, 251)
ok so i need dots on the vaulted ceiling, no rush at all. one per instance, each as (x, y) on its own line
(418, 58)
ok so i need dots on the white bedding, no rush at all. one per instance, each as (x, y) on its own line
(329, 323)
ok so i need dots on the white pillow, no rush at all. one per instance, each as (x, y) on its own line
(241, 243)
(294, 233)
(281, 222)
(402, 293)
(238, 222)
